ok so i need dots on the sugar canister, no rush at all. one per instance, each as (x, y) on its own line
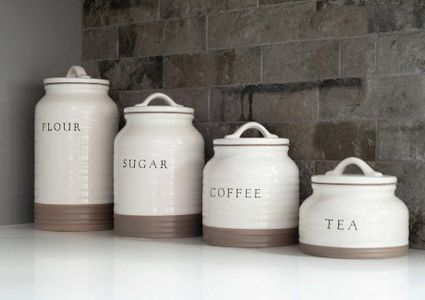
(158, 161)
(250, 191)
(354, 216)
(75, 126)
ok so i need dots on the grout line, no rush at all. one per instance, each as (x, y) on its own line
(209, 105)
(206, 33)
(262, 65)
(376, 54)
(81, 31)
(117, 50)
(339, 58)
(159, 10)
(318, 102)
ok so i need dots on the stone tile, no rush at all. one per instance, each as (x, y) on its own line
(266, 2)
(289, 21)
(301, 61)
(279, 103)
(328, 140)
(109, 12)
(230, 104)
(396, 97)
(196, 98)
(301, 138)
(145, 39)
(184, 35)
(307, 169)
(190, 8)
(265, 103)
(385, 15)
(100, 43)
(396, 15)
(182, 8)
(337, 21)
(341, 139)
(342, 99)
(217, 6)
(393, 97)
(241, 28)
(401, 140)
(92, 68)
(417, 226)
(130, 73)
(213, 68)
(358, 56)
(401, 53)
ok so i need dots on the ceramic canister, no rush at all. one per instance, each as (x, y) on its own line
(354, 216)
(250, 192)
(158, 161)
(75, 126)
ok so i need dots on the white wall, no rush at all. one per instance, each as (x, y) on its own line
(38, 39)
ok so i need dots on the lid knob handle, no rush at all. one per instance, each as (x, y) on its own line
(77, 72)
(366, 169)
(161, 96)
(251, 125)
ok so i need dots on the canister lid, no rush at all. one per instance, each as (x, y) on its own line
(76, 74)
(235, 139)
(369, 177)
(172, 106)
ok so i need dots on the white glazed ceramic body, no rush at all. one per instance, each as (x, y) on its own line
(166, 177)
(354, 216)
(260, 184)
(75, 126)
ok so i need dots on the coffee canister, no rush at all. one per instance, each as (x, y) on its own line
(250, 192)
(158, 161)
(354, 216)
(75, 126)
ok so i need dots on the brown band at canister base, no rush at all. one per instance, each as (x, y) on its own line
(84, 217)
(249, 238)
(354, 253)
(158, 227)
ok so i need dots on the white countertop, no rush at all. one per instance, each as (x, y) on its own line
(48, 265)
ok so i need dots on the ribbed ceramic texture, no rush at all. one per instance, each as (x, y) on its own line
(75, 217)
(74, 167)
(249, 238)
(380, 218)
(354, 253)
(158, 165)
(238, 169)
(158, 227)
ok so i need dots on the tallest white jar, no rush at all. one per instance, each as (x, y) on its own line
(75, 126)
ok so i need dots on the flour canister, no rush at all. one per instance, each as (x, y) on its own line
(250, 192)
(158, 161)
(354, 216)
(75, 126)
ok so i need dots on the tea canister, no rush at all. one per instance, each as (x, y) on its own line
(75, 126)
(354, 216)
(158, 161)
(250, 192)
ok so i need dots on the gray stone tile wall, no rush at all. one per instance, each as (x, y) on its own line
(338, 78)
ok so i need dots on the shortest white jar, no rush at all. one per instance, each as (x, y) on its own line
(354, 216)
(250, 192)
